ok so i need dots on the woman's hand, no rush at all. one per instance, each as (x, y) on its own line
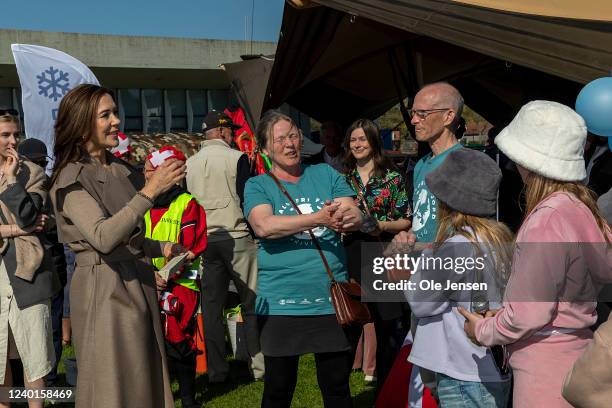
(171, 172)
(327, 217)
(160, 282)
(11, 164)
(347, 216)
(470, 324)
(351, 217)
(491, 312)
(39, 225)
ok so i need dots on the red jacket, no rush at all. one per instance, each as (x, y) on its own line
(180, 325)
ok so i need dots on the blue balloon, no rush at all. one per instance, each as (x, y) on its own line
(594, 104)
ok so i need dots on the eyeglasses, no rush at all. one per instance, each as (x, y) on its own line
(291, 137)
(9, 111)
(424, 113)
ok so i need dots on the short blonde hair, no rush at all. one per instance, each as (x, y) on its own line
(8, 118)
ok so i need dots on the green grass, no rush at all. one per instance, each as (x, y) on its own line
(242, 392)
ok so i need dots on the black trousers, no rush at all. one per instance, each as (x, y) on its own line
(333, 371)
(184, 369)
(231, 259)
(389, 339)
(57, 312)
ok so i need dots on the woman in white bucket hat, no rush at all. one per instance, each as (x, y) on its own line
(559, 262)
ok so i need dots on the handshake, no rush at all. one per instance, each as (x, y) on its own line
(403, 243)
(339, 216)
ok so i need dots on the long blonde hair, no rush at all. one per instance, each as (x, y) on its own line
(494, 235)
(538, 187)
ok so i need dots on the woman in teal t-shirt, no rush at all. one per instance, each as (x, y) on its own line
(293, 302)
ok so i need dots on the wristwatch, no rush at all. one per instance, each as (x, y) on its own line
(369, 224)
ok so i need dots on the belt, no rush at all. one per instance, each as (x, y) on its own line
(555, 331)
(89, 258)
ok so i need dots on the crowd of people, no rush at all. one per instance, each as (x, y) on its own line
(152, 247)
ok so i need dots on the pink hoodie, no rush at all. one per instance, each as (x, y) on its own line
(547, 267)
(551, 262)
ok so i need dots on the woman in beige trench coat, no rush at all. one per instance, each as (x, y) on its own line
(115, 315)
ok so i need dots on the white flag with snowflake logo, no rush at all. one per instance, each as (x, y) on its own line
(46, 75)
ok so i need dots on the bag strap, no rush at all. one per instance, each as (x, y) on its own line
(312, 235)
(360, 195)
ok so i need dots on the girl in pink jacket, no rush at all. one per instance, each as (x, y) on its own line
(559, 262)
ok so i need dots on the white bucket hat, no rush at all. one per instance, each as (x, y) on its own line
(546, 138)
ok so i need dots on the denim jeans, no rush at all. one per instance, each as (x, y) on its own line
(455, 393)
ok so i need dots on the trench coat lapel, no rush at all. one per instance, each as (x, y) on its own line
(116, 189)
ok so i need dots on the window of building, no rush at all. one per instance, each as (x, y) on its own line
(146, 110)
(153, 107)
(6, 97)
(217, 99)
(199, 107)
(178, 109)
(132, 106)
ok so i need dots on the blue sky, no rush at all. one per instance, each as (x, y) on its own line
(221, 19)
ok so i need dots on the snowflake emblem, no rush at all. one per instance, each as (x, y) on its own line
(53, 83)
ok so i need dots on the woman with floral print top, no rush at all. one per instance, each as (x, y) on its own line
(376, 181)
(386, 198)
(379, 185)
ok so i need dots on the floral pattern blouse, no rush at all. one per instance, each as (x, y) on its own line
(385, 196)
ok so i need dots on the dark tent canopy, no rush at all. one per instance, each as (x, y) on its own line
(344, 59)
(248, 80)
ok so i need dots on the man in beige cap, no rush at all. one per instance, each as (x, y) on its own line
(216, 176)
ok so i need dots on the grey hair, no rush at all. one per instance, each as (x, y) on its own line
(208, 132)
(263, 132)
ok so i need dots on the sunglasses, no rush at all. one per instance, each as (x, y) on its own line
(12, 112)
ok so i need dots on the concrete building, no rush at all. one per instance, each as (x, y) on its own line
(162, 85)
